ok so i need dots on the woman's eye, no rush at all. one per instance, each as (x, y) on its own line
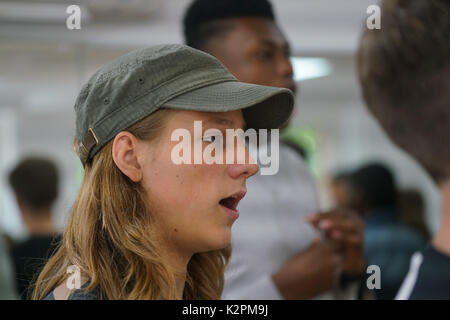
(210, 139)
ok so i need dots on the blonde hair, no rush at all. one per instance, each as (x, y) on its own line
(112, 237)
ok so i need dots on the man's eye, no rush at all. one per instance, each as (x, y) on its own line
(265, 55)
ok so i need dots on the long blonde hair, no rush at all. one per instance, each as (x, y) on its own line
(112, 236)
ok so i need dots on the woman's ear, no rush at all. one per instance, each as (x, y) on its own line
(125, 153)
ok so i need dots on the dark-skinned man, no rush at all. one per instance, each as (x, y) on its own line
(276, 251)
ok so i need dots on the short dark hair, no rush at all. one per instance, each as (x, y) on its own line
(203, 19)
(376, 185)
(404, 70)
(35, 180)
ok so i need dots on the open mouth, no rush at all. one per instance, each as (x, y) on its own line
(232, 201)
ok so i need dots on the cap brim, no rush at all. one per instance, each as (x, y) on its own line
(263, 107)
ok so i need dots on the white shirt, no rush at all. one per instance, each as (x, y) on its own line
(408, 284)
(271, 228)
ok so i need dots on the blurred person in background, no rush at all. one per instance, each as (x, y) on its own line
(404, 70)
(276, 253)
(340, 190)
(35, 182)
(412, 211)
(388, 243)
(7, 283)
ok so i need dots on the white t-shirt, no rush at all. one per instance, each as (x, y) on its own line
(271, 228)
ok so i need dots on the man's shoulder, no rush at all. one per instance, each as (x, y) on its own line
(432, 276)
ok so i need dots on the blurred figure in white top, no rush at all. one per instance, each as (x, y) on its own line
(276, 252)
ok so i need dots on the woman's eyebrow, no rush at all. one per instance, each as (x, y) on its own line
(224, 122)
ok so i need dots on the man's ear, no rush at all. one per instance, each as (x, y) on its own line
(125, 155)
(20, 202)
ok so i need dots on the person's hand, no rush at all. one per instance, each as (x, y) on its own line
(309, 273)
(345, 229)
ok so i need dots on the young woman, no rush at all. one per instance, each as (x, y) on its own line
(142, 226)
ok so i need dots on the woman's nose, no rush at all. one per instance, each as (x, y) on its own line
(246, 168)
(242, 170)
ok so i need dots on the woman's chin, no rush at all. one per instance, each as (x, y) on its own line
(220, 240)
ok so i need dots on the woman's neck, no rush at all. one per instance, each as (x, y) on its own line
(179, 283)
(442, 239)
(178, 263)
(180, 268)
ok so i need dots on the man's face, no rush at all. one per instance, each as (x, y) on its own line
(254, 50)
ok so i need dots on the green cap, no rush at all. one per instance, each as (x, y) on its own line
(168, 76)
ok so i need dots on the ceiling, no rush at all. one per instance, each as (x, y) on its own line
(313, 27)
(43, 64)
